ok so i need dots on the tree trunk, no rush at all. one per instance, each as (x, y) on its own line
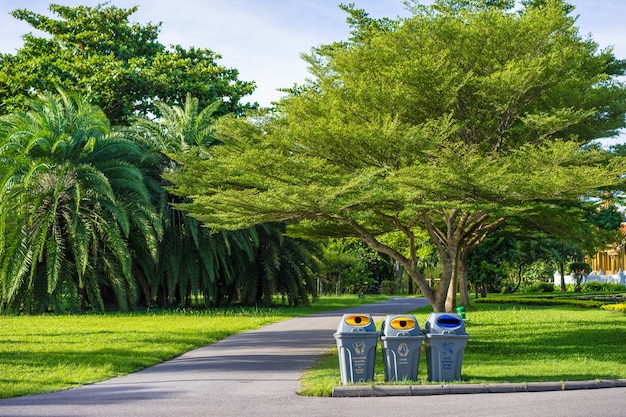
(464, 287)
(435, 298)
(562, 268)
(145, 287)
(458, 283)
(456, 230)
(462, 233)
(447, 276)
(452, 290)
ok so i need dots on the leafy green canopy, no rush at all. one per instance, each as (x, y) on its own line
(454, 120)
(119, 65)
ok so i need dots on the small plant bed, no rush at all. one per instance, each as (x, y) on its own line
(515, 343)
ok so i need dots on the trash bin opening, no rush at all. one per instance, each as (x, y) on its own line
(448, 321)
(358, 320)
(403, 323)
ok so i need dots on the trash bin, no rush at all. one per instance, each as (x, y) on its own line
(356, 342)
(461, 311)
(445, 344)
(401, 340)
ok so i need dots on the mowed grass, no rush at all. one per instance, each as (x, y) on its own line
(49, 353)
(512, 343)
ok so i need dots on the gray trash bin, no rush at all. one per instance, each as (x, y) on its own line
(445, 344)
(401, 340)
(356, 342)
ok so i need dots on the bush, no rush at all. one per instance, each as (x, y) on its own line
(389, 287)
(615, 307)
(602, 286)
(540, 287)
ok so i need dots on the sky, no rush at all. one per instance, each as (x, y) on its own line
(264, 39)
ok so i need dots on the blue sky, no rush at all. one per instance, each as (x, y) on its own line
(263, 39)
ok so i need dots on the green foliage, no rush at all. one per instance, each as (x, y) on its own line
(389, 287)
(541, 270)
(607, 218)
(280, 265)
(247, 266)
(539, 287)
(578, 271)
(71, 197)
(348, 265)
(602, 286)
(88, 223)
(579, 268)
(489, 265)
(338, 264)
(452, 121)
(615, 307)
(193, 262)
(120, 66)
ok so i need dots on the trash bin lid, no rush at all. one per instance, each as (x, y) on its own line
(356, 323)
(401, 325)
(445, 323)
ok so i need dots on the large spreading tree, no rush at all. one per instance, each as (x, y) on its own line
(453, 120)
(120, 66)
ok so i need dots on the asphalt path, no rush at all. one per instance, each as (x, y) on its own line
(257, 373)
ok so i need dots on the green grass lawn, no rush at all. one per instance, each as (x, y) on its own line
(49, 352)
(513, 343)
(508, 343)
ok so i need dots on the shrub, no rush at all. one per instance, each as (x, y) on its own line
(389, 287)
(602, 286)
(540, 287)
(615, 307)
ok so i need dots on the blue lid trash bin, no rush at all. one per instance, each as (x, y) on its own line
(401, 341)
(446, 340)
(356, 344)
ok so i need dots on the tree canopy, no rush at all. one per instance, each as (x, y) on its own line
(452, 120)
(118, 65)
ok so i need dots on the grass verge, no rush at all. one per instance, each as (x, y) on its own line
(50, 353)
(515, 343)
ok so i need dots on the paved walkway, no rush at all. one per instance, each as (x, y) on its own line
(257, 374)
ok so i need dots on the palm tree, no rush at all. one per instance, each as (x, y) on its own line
(247, 265)
(192, 261)
(71, 198)
(282, 265)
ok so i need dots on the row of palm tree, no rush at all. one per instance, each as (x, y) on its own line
(87, 222)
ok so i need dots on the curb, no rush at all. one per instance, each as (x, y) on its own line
(424, 390)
